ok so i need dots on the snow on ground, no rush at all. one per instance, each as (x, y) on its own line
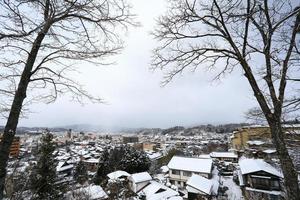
(234, 192)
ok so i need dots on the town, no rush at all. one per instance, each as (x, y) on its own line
(177, 163)
(149, 100)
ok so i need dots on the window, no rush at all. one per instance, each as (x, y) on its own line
(261, 183)
(275, 184)
(186, 173)
(176, 172)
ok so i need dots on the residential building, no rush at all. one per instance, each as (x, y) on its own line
(202, 188)
(118, 175)
(138, 181)
(251, 136)
(157, 191)
(91, 164)
(144, 146)
(182, 168)
(255, 175)
(225, 156)
(64, 167)
(130, 139)
(15, 147)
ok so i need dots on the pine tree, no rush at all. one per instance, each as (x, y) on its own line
(134, 161)
(103, 167)
(80, 174)
(121, 158)
(43, 176)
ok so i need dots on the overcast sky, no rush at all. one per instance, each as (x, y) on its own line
(135, 97)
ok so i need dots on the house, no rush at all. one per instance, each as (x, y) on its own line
(201, 187)
(138, 181)
(182, 168)
(91, 164)
(154, 155)
(118, 175)
(157, 191)
(255, 175)
(224, 156)
(269, 153)
(64, 167)
(130, 139)
(144, 146)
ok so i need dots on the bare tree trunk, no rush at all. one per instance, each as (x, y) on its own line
(13, 118)
(289, 172)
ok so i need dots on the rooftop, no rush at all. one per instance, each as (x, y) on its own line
(248, 166)
(141, 177)
(157, 191)
(117, 174)
(199, 183)
(223, 155)
(201, 165)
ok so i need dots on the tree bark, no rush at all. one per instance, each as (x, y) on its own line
(289, 172)
(16, 107)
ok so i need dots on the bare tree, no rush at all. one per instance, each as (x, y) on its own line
(259, 36)
(41, 41)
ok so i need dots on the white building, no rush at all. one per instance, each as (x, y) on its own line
(182, 168)
(138, 181)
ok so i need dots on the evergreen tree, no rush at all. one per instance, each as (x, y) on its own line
(103, 167)
(134, 161)
(124, 158)
(80, 174)
(43, 176)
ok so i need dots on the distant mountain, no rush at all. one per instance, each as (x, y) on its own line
(35, 130)
(98, 128)
(223, 128)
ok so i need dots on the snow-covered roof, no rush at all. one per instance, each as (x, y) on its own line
(254, 165)
(223, 155)
(94, 192)
(154, 156)
(272, 192)
(269, 151)
(117, 174)
(91, 160)
(62, 166)
(255, 142)
(204, 156)
(191, 164)
(157, 191)
(199, 183)
(141, 177)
